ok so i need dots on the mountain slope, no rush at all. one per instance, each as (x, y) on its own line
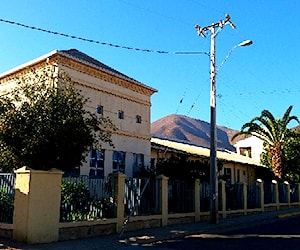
(184, 128)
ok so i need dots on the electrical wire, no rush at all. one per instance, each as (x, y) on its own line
(104, 43)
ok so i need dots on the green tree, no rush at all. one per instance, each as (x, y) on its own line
(291, 152)
(44, 124)
(275, 134)
(179, 167)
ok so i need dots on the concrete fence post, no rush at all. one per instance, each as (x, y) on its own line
(245, 198)
(298, 192)
(119, 198)
(288, 193)
(223, 196)
(37, 205)
(276, 192)
(260, 184)
(164, 199)
(197, 200)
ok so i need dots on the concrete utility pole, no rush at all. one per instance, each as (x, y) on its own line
(214, 216)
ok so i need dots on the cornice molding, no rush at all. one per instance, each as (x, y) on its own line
(113, 93)
(101, 74)
(132, 135)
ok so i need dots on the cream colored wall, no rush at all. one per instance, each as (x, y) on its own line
(240, 173)
(37, 206)
(130, 137)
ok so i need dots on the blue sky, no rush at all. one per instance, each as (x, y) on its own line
(262, 76)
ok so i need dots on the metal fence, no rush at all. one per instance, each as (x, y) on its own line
(269, 193)
(181, 196)
(142, 196)
(253, 196)
(85, 198)
(7, 192)
(283, 193)
(294, 193)
(204, 197)
(234, 196)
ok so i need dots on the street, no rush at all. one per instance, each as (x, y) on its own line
(279, 234)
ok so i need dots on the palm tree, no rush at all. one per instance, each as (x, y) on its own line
(274, 133)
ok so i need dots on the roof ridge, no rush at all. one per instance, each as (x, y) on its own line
(78, 55)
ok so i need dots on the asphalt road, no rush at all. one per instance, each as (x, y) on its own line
(278, 234)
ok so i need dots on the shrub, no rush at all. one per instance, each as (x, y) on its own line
(6, 206)
(75, 199)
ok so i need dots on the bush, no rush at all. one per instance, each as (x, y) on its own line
(6, 206)
(76, 204)
(74, 201)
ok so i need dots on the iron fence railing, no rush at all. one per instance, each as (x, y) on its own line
(204, 197)
(181, 196)
(85, 198)
(253, 196)
(294, 193)
(7, 193)
(283, 192)
(269, 193)
(142, 196)
(234, 196)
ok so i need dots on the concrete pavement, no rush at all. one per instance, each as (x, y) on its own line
(148, 237)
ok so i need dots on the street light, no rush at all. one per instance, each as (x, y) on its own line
(214, 217)
(242, 44)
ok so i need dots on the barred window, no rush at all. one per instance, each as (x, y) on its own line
(119, 162)
(121, 114)
(99, 110)
(96, 163)
(138, 119)
(138, 164)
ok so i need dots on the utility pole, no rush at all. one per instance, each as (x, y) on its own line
(214, 215)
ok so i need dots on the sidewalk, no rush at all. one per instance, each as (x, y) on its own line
(147, 237)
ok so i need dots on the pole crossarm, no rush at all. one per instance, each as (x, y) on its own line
(220, 24)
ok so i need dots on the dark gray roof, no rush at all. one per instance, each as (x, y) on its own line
(76, 54)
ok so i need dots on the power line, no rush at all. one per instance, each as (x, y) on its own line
(104, 43)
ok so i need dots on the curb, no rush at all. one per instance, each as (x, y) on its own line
(281, 216)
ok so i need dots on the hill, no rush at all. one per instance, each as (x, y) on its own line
(194, 131)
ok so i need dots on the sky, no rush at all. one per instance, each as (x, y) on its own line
(262, 76)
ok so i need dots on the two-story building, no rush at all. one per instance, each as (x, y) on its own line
(125, 101)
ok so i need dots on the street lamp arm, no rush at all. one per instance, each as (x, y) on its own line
(242, 44)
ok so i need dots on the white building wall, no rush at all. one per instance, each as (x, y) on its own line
(254, 143)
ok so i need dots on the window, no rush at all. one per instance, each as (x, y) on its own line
(245, 151)
(96, 163)
(121, 114)
(99, 110)
(138, 164)
(138, 119)
(227, 175)
(119, 162)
